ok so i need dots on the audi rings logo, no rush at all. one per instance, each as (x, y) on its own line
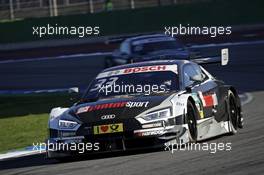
(110, 116)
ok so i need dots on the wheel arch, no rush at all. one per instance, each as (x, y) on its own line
(180, 105)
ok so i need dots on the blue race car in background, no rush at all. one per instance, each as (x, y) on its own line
(149, 47)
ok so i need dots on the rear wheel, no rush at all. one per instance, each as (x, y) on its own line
(191, 121)
(232, 113)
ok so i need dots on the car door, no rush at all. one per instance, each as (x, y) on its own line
(206, 89)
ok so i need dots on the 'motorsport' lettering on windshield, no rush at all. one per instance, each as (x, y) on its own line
(143, 69)
(128, 104)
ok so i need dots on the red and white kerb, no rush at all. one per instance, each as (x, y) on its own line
(155, 68)
(208, 100)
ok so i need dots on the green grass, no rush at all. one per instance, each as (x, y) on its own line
(24, 118)
(22, 105)
(19, 132)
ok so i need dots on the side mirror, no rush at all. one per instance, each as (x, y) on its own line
(188, 89)
(74, 94)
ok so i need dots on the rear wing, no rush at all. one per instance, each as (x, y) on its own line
(223, 58)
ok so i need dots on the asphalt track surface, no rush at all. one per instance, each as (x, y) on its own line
(245, 71)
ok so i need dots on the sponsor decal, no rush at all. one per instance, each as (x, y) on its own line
(209, 100)
(128, 104)
(145, 69)
(149, 133)
(108, 129)
(201, 101)
(110, 116)
(137, 104)
(152, 125)
(155, 68)
(199, 105)
(201, 114)
(179, 103)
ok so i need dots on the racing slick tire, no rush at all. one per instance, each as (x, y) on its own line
(192, 122)
(233, 113)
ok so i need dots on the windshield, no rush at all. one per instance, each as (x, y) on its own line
(156, 46)
(147, 83)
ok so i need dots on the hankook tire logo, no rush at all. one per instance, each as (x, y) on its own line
(110, 116)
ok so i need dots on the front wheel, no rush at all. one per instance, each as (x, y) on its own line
(191, 121)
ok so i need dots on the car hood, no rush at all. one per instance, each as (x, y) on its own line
(117, 109)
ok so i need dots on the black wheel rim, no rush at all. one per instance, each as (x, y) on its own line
(233, 112)
(192, 123)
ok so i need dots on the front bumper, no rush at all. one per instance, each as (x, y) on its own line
(138, 139)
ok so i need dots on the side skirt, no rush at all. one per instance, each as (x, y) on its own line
(209, 127)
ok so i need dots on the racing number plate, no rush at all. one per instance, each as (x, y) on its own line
(106, 129)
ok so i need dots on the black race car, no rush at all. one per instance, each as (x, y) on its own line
(149, 47)
(144, 105)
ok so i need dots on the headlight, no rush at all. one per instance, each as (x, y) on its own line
(65, 124)
(158, 114)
